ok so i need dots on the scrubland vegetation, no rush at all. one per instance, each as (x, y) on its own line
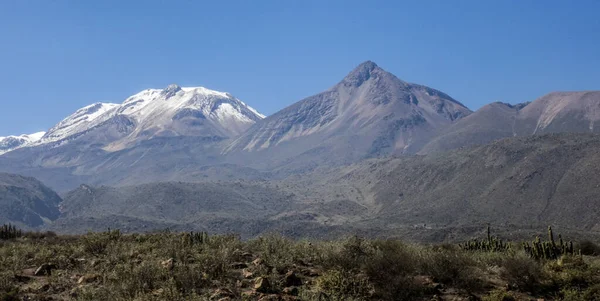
(196, 266)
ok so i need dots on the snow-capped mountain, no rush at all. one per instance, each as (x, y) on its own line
(173, 111)
(10, 143)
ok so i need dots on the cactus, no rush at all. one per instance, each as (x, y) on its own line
(113, 234)
(195, 238)
(548, 249)
(10, 232)
(490, 244)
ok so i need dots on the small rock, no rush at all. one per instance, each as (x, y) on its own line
(258, 261)
(291, 279)
(247, 274)
(238, 265)
(293, 291)
(45, 269)
(222, 293)
(95, 262)
(168, 264)
(158, 292)
(262, 285)
(87, 279)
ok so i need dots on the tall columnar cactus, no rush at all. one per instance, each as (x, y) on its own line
(10, 232)
(548, 249)
(490, 244)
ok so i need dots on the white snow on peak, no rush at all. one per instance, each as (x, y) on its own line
(83, 119)
(202, 90)
(36, 136)
(10, 143)
(155, 108)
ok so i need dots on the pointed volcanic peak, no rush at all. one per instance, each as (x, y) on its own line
(173, 111)
(369, 113)
(10, 143)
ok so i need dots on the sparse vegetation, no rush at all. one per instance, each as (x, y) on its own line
(198, 266)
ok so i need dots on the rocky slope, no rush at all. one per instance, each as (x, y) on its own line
(215, 207)
(520, 185)
(369, 113)
(558, 112)
(26, 201)
(516, 182)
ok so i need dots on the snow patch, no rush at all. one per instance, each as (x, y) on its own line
(10, 143)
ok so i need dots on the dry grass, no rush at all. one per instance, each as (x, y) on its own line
(111, 266)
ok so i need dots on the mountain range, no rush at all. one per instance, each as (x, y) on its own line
(373, 153)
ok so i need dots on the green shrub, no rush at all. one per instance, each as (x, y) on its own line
(342, 284)
(451, 267)
(95, 244)
(390, 268)
(522, 273)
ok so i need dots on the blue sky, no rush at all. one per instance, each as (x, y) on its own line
(57, 56)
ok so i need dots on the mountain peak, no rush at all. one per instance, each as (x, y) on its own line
(360, 74)
(367, 65)
(171, 90)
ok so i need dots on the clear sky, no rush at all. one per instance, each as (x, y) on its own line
(57, 56)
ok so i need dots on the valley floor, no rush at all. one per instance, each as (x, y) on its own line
(195, 266)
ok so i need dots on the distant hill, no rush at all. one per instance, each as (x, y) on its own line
(515, 184)
(26, 201)
(558, 112)
(200, 206)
